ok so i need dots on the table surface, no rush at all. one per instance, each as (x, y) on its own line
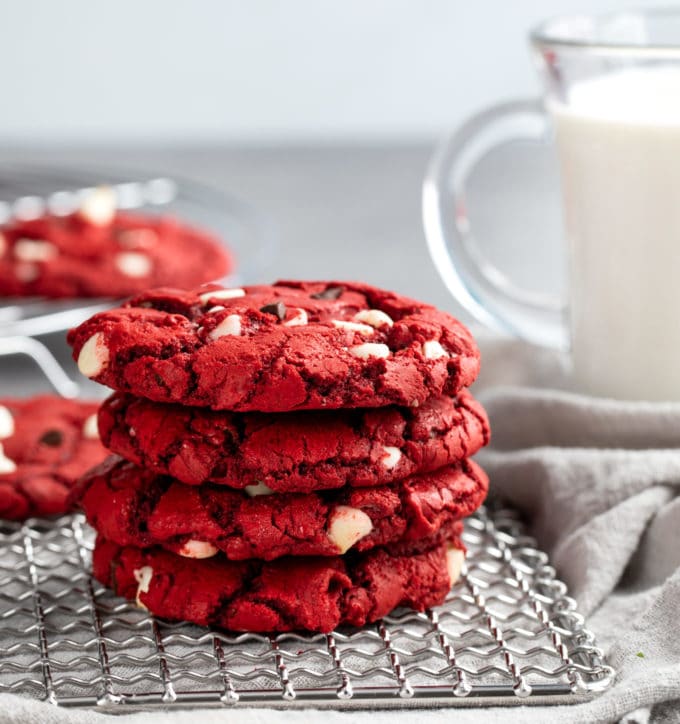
(346, 213)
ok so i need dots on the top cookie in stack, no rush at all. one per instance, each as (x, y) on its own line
(291, 346)
(328, 420)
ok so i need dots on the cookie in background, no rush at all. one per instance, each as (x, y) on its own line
(101, 251)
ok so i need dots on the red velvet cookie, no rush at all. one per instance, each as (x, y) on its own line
(296, 452)
(112, 256)
(46, 444)
(313, 594)
(292, 346)
(132, 506)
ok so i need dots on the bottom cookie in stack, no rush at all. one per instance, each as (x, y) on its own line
(292, 593)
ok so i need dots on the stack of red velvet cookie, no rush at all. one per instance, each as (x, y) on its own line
(291, 456)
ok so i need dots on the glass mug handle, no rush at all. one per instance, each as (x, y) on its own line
(481, 288)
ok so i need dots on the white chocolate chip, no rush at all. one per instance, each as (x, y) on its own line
(137, 238)
(198, 549)
(230, 325)
(391, 457)
(370, 349)
(353, 326)
(6, 423)
(348, 526)
(374, 317)
(143, 577)
(133, 264)
(99, 206)
(132, 432)
(26, 272)
(299, 318)
(34, 250)
(94, 356)
(258, 489)
(454, 563)
(90, 428)
(216, 308)
(222, 294)
(6, 465)
(433, 350)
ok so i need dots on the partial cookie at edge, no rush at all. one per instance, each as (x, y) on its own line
(46, 444)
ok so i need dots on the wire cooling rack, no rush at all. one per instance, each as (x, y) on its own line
(507, 633)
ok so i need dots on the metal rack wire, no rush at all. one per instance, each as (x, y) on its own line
(507, 633)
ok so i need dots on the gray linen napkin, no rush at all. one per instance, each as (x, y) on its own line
(597, 481)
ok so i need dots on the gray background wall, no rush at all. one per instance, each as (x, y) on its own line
(207, 71)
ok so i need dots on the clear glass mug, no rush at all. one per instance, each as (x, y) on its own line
(612, 102)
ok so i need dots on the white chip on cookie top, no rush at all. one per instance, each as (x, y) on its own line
(391, 457)
(99, 206)
(6, 465)
(230, 325)
(133, 264)
(34, 250)
(432, 349)
(348, 526)
(258, 489)
(370, 349)
(6, 423)
(90, 428)
(94, 356)
(198, 549)
(222, 294)
(353, 326)
(299, 318)
(454, 563)
(143, 577)
(374, 317)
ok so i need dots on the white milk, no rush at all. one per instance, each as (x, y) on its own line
(619, 145)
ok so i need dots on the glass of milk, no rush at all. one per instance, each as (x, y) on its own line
(612, 101)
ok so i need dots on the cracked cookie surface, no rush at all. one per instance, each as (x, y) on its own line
(297, 452)
(313, 594)
(291, 346)
(69, 256)
(134, 507)
(46, 444)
